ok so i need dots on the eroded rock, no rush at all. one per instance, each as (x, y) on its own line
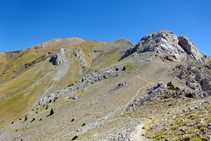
(60, 57)
(190, 48)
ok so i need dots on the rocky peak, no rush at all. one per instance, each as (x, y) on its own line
(60, 57)
(163, 43)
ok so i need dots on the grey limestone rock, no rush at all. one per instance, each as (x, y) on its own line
(163, 41)
(192, 83)
(79, 57)
(60, 57)
(206, 84)
(45, 101)
(190, 48)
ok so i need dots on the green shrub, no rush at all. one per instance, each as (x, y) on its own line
(12, 122)
(40, 119)
(51, 112)
(26, 118)
(172, 86)
(72, 120)
(177, 88)
(75, 137)
(124, 68)
(190, 95)
(33, 119)
(83, 124)
(46, 107)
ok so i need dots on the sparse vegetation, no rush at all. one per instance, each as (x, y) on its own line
(189, 95)
(12, 122)
(51, 112)
(74, 138)
(171, 86)
(83, 124)
(33, 119)
(124, 68)
(46, 107)
(72, 120)
(40, 119)
(26, 118)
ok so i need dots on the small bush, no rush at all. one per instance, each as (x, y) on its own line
(12, 122)
(50, 101)
(51, 112)
(170, 85)
(40, 119)
(116, 69)
(177, 88)
(124, 68)
(75, 137)
(46, 107)
(70, 85)
(190, 95)
(26, 118)
(83, 124)
(20, 119)
(72, 120)
(33, 119)
(16, 130)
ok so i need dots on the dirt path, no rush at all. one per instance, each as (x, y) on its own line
(137, 134)
(151, 83)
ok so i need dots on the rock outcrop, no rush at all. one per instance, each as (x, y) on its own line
(60, 57)
(165, 43)
(79, 57)
(190, 48)
(198, 79)
(45, 101)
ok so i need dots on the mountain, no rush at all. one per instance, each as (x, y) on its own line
(72, 89)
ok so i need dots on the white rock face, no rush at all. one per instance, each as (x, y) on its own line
(163, 41)
(190, 48)
(60, 57)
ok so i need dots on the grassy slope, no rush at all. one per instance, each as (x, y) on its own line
(25, 86)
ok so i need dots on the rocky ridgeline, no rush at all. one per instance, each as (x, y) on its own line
(82, 84)
(162, 91)
(91, 78)
(198, 79)
(164, 43)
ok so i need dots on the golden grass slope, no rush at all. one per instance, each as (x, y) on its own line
(27, 75)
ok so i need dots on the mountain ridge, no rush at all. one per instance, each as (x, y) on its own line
(95, 82)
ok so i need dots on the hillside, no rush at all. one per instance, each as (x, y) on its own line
(106, 90)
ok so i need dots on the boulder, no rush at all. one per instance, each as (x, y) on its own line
(60, 57)
(206, 84)
(190, 48)
(192, 83)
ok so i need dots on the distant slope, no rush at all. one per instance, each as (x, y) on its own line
(28, 75)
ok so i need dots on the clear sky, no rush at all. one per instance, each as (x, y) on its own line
(26, 23)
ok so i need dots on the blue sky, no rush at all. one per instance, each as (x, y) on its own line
(26, 23)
